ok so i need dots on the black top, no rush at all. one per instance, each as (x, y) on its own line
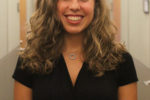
(58, 86)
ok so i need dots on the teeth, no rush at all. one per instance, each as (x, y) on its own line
(74, 18)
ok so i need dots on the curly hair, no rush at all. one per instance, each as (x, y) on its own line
(45, 44)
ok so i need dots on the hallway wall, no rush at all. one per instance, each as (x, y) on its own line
(7, 66)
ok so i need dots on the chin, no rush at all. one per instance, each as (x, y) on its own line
(73, 31)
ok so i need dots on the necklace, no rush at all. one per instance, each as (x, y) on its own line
(72, 56)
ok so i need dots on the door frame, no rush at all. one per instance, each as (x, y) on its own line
(23, 23)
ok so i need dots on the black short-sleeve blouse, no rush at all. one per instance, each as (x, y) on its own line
(58, 86)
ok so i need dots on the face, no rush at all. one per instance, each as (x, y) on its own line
(75, 15)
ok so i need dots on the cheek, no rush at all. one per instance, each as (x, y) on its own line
(60, 9)
(88, 9)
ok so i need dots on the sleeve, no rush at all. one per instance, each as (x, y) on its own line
(23, 76)
(126, 71)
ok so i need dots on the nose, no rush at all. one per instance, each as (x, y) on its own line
(74, 5)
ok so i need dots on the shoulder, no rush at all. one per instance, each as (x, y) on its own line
(22, 75)
(126, 71)
(127, 59)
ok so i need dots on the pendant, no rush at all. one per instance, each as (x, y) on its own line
(72, 56)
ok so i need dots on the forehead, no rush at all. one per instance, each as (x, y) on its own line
(77, 0)
(81, 2)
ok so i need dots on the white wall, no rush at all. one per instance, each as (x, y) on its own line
(13, 25)
(9, 42)
(30, 8)
(135, 30)
(9, 26)
(3, 28)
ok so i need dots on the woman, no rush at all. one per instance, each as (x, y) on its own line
(72, 55)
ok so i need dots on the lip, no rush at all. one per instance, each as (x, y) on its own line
(73, 15)
(71, 21)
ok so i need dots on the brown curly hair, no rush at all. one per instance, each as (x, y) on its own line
(45, 44)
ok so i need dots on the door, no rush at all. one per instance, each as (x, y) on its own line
(3, 28)
(135, 32)
(13, 24)
(115, 14)
(9, 26)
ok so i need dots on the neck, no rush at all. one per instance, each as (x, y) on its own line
(73, 43)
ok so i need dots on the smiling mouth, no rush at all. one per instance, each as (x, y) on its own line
(74, 17)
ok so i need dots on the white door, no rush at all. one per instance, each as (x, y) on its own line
(136, 30)
(9, 40)
(3, 28)
(9, 26)
(30, 8)
(13, 24)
